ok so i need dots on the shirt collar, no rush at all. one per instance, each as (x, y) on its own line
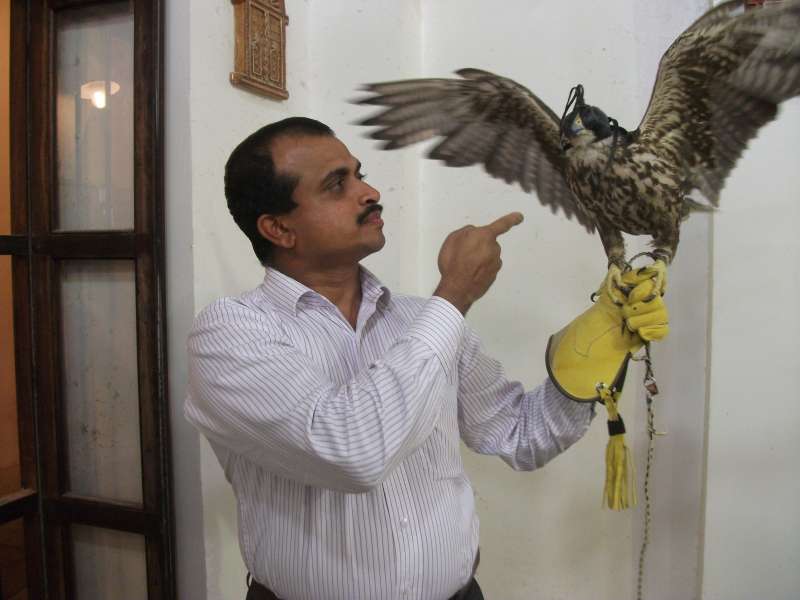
(286, 293)
(372, 289)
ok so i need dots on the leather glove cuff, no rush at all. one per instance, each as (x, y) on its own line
(592, 349)
(595, 347)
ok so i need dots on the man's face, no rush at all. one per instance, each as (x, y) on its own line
(337, 220)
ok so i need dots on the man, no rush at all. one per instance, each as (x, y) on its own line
(335, 406)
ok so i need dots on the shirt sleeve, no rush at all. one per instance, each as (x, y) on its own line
(526, 429)
(254, 393)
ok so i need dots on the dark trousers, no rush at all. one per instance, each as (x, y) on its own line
(256, 591)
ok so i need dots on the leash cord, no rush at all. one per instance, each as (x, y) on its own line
(651, 390)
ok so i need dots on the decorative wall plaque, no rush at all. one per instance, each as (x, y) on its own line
(260, 52)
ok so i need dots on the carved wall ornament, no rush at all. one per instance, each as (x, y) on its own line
(260, 51)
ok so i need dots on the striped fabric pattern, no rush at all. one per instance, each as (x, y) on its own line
(342, 445)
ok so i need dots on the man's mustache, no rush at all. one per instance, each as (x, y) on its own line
(367, 212)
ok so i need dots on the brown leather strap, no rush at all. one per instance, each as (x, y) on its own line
(256, 591)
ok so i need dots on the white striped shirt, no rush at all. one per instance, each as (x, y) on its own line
(342, 445)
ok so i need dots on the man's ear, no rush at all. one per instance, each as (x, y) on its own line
(273, 228)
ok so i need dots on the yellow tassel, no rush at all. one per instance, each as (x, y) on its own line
(620, 488)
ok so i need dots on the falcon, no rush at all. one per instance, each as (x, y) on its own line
(718, 83)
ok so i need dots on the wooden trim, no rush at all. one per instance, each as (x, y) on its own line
(17, 505)
(20, 221)
(42, 132)
(16, 245)
(96, 244)
(47, 370)
(40, 179)
(145, 246)
(23, 349)
(47, 384)
(34, 564)
(101, 513)
(18, 126)
(66, 4)
(151, 301)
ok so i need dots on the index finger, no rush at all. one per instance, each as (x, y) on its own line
(504, 223)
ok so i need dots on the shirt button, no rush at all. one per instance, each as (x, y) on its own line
(404, 524)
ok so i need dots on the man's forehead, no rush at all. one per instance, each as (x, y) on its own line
(309, 155)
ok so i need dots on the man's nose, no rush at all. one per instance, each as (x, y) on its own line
(369, 195)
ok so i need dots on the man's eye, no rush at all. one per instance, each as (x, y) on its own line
(361, 176)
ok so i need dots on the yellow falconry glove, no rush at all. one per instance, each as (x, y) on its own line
(595, 347)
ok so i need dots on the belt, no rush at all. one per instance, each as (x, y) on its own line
(256, 591)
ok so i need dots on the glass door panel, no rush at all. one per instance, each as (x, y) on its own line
(108, 564)
(94, 118)
(100, 379)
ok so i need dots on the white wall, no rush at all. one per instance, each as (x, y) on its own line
(752, 522)
(542, 532)
(207, 257)
(190, 555)
(353, 43)
(220, 117)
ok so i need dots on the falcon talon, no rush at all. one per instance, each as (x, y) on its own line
(622, 288)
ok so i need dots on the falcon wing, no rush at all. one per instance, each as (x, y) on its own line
(718, 84)
(483, 118)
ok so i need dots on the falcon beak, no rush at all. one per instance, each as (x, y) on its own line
(577, 126)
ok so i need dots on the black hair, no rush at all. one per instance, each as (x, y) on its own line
(253, 188)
